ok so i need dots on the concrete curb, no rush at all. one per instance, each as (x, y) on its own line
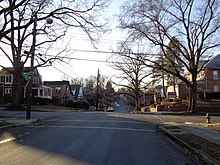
(197, 155)
(19, 123)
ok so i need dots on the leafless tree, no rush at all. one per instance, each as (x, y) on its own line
(20, 17)
(133, 72)
(195, 24)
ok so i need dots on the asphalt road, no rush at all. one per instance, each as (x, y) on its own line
(94, 138)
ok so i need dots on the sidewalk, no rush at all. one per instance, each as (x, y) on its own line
(191, 137)
(7, 122)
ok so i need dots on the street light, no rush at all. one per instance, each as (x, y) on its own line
(31, 71)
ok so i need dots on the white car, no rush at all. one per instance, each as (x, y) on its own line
(110, 109)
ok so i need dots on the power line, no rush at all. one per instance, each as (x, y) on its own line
(62, 72)
(84, 59)
(68, 68)
(91, 51)
(77, 50)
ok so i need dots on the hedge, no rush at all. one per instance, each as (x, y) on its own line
(78, 104)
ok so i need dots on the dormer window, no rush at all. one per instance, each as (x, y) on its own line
(215, 75)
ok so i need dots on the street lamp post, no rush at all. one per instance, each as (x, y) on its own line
(31, 70)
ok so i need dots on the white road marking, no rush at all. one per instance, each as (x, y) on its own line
(88, 127)
(98, 121)
(159, 119)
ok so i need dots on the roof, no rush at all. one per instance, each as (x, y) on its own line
(56, 83)
(214, 63)
(6, 70)
(41, 86)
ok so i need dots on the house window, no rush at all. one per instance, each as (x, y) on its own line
(58, 89)
(41, 92)
(6, 79)
(2, 79)
(8, 91)
(216, 88)
(215, 74)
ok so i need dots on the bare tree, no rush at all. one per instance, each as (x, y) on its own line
(194, 23)
(173, 64)
(133, 72)
(22, 19)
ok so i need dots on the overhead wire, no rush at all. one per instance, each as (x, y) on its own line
(68, 68)
(62, 72)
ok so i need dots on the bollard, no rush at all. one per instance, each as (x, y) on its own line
(208, 118)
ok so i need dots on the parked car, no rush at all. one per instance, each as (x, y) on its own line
(110, 109)
(92, 108)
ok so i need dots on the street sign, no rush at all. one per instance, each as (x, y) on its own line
(25, 75)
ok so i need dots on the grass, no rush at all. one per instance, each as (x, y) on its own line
(208, 147)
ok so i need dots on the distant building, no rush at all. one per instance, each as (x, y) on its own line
(209, 77)
(77, 92)
(208, 80)
(61, 91)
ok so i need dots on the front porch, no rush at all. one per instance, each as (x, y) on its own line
(40, 91)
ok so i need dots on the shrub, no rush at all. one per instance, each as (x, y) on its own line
(200, 96)
(212, 95)
(56, 101)
(78, 104)
(41, 101)
(6, 99)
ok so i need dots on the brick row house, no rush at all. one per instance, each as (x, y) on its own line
(208, 79)
(38, 89)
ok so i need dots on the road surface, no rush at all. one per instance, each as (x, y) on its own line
(90, 138)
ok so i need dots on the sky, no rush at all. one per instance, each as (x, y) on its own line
(86, 60)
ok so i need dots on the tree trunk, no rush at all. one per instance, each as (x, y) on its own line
(137, 104)
(16, 89)
(16, 92)
(193, 95)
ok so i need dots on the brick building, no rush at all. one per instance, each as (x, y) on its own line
(208, 80)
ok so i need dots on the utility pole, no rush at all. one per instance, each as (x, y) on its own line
(97, 91)
(31, 70)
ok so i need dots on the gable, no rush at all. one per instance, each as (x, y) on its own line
(56, 83)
